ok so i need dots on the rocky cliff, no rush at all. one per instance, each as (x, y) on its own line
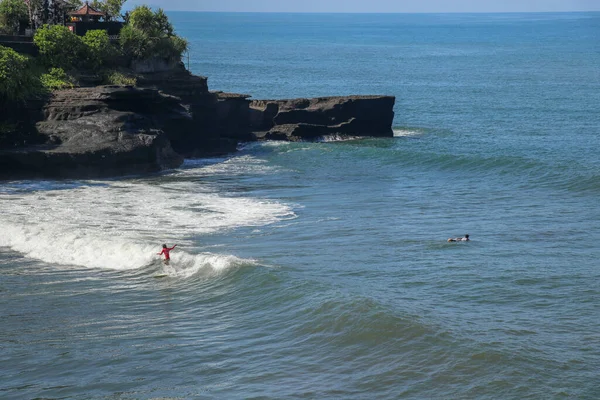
(101, 131)
(114, 130)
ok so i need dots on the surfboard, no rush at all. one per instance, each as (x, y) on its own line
(161, 276)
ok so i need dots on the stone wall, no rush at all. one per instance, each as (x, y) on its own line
(22, 44)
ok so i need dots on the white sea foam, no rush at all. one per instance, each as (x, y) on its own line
(184, 265)
(121, 225)
(406, 132)
(265, 143)
(232, 166)
(68, 245)
(339, 138)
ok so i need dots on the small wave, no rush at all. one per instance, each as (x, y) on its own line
(184, 265)
(583, 184)
(472, 163)
(338, 137)
(361, 320)
(266, 143)
(407, 132)
(238, 165)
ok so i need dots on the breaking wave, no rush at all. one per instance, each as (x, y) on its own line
(121, 225)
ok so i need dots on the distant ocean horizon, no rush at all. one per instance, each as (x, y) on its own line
(322, 269)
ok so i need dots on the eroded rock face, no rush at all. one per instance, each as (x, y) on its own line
(306, 119)
(100, 131)
(205, 133)
(115, 130)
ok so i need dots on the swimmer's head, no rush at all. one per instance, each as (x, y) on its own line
(164, 246)
(467, 236)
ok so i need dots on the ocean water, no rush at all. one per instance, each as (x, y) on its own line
(321, 270)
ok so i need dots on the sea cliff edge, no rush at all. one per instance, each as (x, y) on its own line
(103, 131)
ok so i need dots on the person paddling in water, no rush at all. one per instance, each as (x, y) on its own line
(165, 251)
(459, 239)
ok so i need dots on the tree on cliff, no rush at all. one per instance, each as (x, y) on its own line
(98, 50)
(33, 13)
(12, 14)
(149, 34)
(112, 8)
(58, 46)
(54, 12)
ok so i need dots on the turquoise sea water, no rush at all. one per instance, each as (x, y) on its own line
(321, 270)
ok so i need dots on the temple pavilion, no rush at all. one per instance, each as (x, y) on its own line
(88, 18)
(86, 14)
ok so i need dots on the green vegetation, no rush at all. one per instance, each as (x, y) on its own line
(59, 47)
(15, 14)
(18, 79)
(149, 35)
(57, 78)
(120, 78)
(97, 49)
(21, 77)
(112, 8)
(146, 35)
(12, 13)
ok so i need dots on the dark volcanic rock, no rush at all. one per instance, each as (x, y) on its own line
(17, 123)
(302, 119)
(206, 134)
(115, 130)
(101, 131)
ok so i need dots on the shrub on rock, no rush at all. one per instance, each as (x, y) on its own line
(59, 47)
(17, 81)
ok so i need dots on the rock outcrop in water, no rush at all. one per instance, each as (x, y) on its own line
(307, 119)
(115, 130)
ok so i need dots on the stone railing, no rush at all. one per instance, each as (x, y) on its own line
(20, 43)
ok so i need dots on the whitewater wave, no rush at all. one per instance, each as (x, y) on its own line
(234, 166)
(90, 249)
(121, 225)
(65, 246)
(184, 265)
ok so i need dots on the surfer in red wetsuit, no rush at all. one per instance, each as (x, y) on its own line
(165, 251)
